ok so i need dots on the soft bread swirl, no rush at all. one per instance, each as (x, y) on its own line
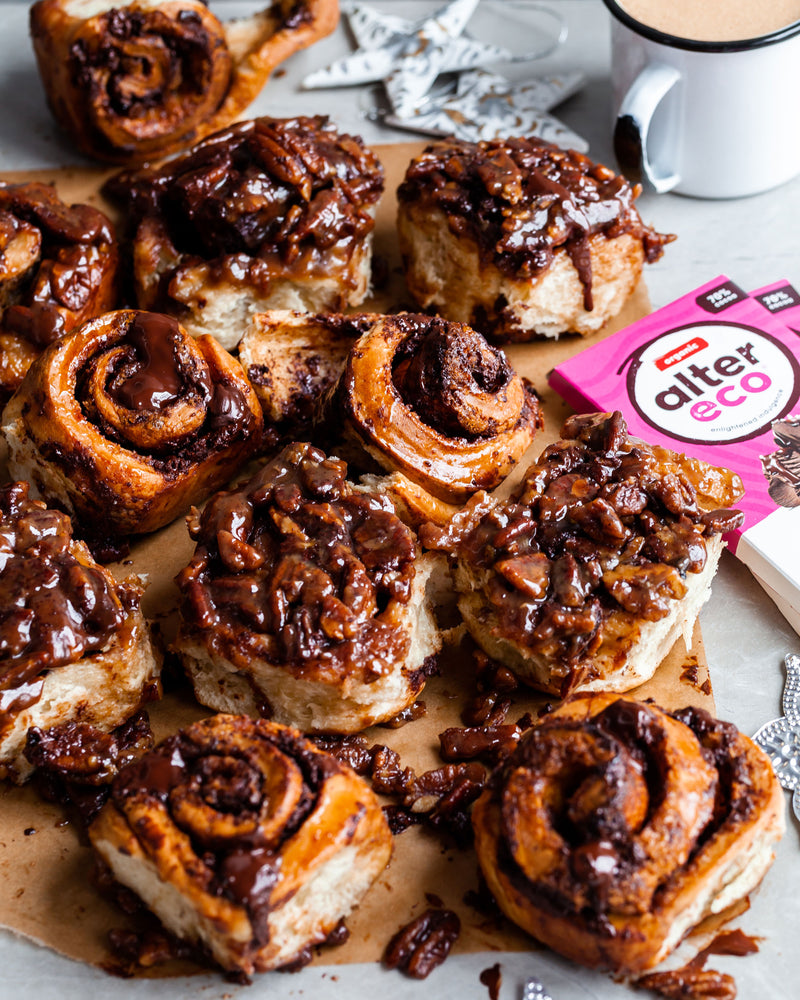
(131, 82)
(244, 838)
(615, 828)
(128, 421)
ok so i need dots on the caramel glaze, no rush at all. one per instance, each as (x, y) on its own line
(54, 606)
(521, 199)
(297, 568)
(218, 780)
(72, 273)
(602, 526)
(267, 198)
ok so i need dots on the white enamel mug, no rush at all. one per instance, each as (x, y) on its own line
(708, 119)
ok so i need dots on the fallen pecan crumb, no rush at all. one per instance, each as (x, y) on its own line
(423, 944)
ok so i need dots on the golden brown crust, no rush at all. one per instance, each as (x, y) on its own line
(585, 577)
(128, 421)
(614, 828)
(245, 838)
(134, 82)
(58, 268)
(431, 399)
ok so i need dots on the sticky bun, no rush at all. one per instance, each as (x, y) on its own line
(307, 600)
(74, 646)
(128, 421)
(433, 400)
(58, 268)
(597, 564)
(131, 82)
(243, 838)
(268, 214)
(614, 828)
(519, 238)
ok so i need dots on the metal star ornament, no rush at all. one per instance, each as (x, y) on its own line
(408, 55)
(487, 106)
(780, 739)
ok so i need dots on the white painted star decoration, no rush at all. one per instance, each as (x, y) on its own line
(780, 739)
(408, 56)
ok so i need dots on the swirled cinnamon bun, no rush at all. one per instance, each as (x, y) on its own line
(431, 399)
(268, 214)
(243, 838)
(306, 600)
(131, 82)
(615, 828)
(74, 646)
(599, 561)
(128, 421)
(519, 238)
(58, 268)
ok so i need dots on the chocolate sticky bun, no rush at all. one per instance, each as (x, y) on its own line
(268, 214)
(602, 557)
(58, 268)
(131, 82)
(306, 600)
(128, 421)
(433, 400)
(519, 238)
(244, 839)
(615, 828)
(73, 644)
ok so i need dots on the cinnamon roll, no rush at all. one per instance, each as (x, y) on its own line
(128, 421)
(58, 268)
(615, 828)
(131, 82)
(243, 838)
(603, 556)
(74, 646)
(519, 238)
(431, 399)
(268, 214)
(306, 600)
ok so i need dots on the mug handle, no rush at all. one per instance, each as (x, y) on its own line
(633, 125)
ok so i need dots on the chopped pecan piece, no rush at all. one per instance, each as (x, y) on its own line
(422, 945)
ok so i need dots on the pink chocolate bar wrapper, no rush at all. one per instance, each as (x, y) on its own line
(716, 374)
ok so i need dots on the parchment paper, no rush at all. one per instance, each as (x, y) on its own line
(45, 862)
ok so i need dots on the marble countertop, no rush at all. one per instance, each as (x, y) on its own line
(752, 240)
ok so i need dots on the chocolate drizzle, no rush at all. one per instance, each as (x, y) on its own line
(300, 569)
(55, 605)
(238, 789)
(602, 531)
(520, 199)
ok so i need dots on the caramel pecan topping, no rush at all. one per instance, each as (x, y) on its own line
(300, 569)
(263, 198)
(603, 526)
(520, 199)
(58, 265)
(56, 604)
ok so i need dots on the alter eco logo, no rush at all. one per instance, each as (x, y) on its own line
(713, 382)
